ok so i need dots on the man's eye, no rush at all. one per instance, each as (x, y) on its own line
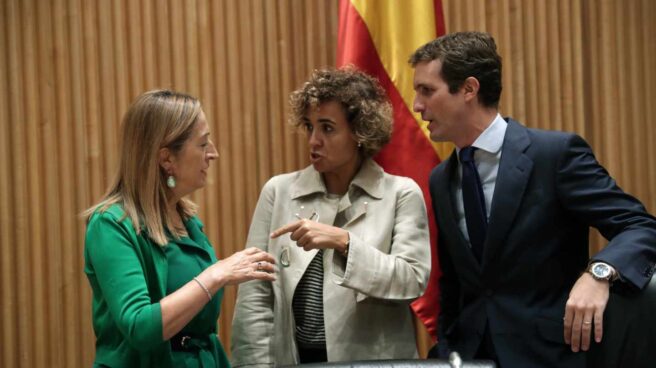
(307, 127)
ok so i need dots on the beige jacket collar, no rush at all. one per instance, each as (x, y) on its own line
(368, 178)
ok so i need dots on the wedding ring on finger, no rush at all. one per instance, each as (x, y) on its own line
(259, 266)
(587, 322)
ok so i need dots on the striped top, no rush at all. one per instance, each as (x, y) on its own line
(307, 303)
(308, 306)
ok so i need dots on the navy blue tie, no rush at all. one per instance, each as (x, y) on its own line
(474, 202)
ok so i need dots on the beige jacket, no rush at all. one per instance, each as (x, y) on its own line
(366, 295)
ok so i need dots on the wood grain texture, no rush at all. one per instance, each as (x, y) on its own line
(70, 68)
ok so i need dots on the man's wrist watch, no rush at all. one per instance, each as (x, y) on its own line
(602, 271)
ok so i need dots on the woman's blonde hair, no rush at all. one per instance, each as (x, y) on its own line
(157, 119)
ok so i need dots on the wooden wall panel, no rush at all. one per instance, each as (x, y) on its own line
(69, 69)
(7, 289)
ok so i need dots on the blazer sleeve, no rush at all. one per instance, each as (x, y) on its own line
(252, 324)
(403, 273)
(586, 189)
(111, 254)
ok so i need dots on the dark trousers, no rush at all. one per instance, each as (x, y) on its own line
(313, 355)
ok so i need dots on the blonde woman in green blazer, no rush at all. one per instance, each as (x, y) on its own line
(157, 284)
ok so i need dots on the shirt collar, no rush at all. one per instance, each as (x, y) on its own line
(492, 137)
(368, 179)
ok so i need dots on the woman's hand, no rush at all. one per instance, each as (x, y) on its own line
(182, 305)
(248, 264)
(310, 234)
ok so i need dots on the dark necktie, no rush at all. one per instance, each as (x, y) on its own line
(474, 202)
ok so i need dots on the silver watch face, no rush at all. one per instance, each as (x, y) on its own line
(601, 270)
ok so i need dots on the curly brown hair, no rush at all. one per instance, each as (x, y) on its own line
(365, 103)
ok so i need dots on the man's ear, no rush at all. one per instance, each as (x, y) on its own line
(470, 88)
(165, 159)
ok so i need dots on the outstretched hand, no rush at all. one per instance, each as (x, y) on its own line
(310, 234)
(584, 311)
(248, 264)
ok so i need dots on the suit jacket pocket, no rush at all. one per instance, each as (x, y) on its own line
(550, 329)
(364, 298)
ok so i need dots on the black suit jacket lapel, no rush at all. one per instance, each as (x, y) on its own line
(445, 189)
(514, 172)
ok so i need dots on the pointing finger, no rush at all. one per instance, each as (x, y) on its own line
(285, 229)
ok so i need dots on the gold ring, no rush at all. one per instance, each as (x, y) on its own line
(259, 266)
(587, 322)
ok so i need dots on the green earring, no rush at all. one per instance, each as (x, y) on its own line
(170, 181)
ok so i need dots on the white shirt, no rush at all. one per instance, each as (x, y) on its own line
(487, 157)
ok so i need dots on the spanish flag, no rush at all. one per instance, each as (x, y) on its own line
(378, 37)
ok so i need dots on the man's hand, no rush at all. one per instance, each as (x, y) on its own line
(585, 310)
(310, 234)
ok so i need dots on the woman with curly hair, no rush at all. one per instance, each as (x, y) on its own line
(351, 241)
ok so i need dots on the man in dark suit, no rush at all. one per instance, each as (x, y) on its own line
(514, 206)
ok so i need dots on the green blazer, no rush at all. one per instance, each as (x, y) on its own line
(128, 276)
